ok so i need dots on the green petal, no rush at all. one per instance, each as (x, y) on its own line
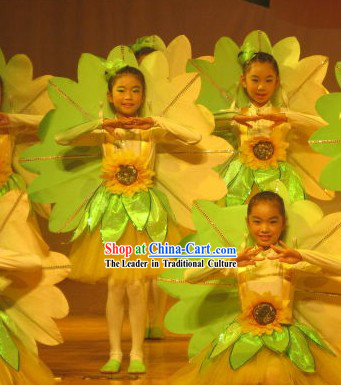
(164, 201)
(329, 176)
(114, 221)
(239, 188)
(313, 335)
(83, 224)
(277, 341)
(8, 350)
(97, 207)
(299, 352)
(157, 221)
(328, 106)
(138, 208)
(264, 177)
(244, 349)
(226, 339)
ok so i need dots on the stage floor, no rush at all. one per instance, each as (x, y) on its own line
(86, 348)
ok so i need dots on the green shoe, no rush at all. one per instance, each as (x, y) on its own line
(136, 366)
(156, 333)
(112, 366)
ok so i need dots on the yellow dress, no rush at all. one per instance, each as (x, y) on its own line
(275, 286)
(137, 147)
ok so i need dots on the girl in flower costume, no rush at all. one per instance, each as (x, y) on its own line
(282, 324)
(263, 99)
(23, 103)
(29, 270)
(327, 140)
(116, 181)
(29, 299)
(178, 52)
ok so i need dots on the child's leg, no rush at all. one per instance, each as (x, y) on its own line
(137, 314)
(159, 305)
(115, 314)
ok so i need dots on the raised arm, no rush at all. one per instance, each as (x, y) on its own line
(86, 134)
(183, 133)
(20, 123)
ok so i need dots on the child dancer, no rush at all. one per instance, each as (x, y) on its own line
(275, 336)
(113, 193)
(268, 117)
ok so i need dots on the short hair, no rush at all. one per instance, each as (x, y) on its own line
(264, 196)
(127, 70)
(259, 57)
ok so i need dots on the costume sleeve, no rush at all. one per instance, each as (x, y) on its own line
(315, 260)
(304, 121)
(164, 127)
(14, 261)
(87, 134)
(24, 124)
(195, 275)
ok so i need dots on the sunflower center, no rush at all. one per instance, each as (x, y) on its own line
(263, 150)
(264, 313)
(127, 174)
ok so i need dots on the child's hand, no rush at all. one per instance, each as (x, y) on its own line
(244, 119)
(142, 123)
(276, 118)
(285, 254)
(248, 257)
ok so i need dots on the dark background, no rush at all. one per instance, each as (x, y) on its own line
(55, 32)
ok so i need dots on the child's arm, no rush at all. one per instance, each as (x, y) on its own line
(307, 259)
(244, 258)
(183, 133)
(19, 123)
(86, 134)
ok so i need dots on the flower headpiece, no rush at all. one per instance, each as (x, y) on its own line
(246, 53)
(112, 67)
(152, 41)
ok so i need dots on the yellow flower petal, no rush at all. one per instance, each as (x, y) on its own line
(125, 173)
(263, 152)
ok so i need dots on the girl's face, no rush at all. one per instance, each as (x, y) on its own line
(127, 95)
(265, 223)
(260, 83)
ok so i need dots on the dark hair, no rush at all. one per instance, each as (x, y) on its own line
(127, 70)
(144, 51)
(259, 57)
(269, 196)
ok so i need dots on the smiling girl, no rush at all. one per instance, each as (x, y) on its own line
(261, 130)
(270, 340)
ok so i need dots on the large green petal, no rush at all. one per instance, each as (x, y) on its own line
(299, 352)
(212, 226)
(157, 225)
(277, 341)
(220, 78)
(244, 349)
(327, 140)
(138, 208)
(114, 221)
(329, 176)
